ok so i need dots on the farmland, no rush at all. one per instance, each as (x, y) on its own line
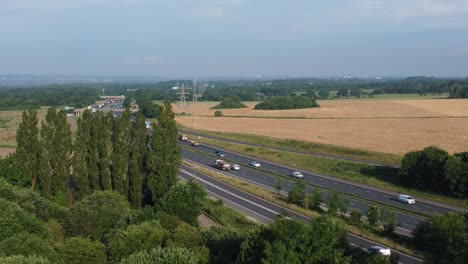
(391, 126)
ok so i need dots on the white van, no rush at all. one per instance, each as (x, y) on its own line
(406, 199)
(297, 174)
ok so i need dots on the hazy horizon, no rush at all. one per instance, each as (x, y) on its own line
(234, 38)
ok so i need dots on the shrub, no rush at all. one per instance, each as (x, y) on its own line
(280, 103)
(27, 245)
(184, 200)
(15, 220)
(19, 259)
(230, 102)
(218, 113)
(78, 250)
(135, 238)
(96, 214)
(32, 202)
(169, 255)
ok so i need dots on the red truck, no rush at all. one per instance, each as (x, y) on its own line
(223, 165)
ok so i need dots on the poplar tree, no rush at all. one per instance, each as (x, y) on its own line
(121, 152)
(46, 167)
(28, 150)
(92, 159)
(137, 154)
(164, 155)
(56, 160)
(80, 156)
(104, 144)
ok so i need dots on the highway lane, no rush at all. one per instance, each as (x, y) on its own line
(405, 222)
(262, 210)
(323, 155)
(422, 206)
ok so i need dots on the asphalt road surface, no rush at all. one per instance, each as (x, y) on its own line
(262, 210)
(296, 151)
(406, 220)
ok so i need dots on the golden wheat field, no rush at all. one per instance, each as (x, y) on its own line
(350, 109)
(392, 126)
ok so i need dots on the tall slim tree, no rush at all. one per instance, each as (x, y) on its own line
(81, 175)
(164, 155)
(135, 167)
(92, 159)
(104, 143)
(121, 152)
(28, 150)
(55, 163)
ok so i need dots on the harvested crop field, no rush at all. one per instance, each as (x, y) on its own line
(361, 108)
(391, 126)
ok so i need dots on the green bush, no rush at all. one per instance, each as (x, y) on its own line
(96, 214)
(27, 245)
(230, 102)
(135, 238)
(169, 255)
(218, 113)
(283, 102)
(78, 250)
(32, 202)
(15, 220)
(24, 260)
(184, 200)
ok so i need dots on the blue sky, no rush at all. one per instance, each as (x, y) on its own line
(234, 37)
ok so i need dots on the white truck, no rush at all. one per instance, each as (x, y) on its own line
(223, 165)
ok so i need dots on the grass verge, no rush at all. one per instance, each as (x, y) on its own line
(303, 146)
(278, 199)
(377, 176)
(226, 216)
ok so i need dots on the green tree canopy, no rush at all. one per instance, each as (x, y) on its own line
(27, 245)
(169, 255)
(96, 214)
(288, 241)
(135, 238)
(184, 200)
(283, 102)
(79, 250)
(15, 220)
(445, 237)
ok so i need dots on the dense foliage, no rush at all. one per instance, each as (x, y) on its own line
(283, 102)
(458, 89)
(433, 169)
(230, 102)
(286, 241)
(75, 95)
(446, 237)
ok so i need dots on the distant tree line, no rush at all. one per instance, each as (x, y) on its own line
(75, 95)
(284, 102)
(433, 169)
(107, 154)
(230, 103)
(458, 89)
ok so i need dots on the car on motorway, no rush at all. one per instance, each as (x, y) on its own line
(195, 143)
(219, 153)
(379, 250)
(297, 174)
(255, 164)
(406, 199)
(235, 167)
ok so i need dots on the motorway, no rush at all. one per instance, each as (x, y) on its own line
(406, 220)
(317, 154)
(262, 210)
